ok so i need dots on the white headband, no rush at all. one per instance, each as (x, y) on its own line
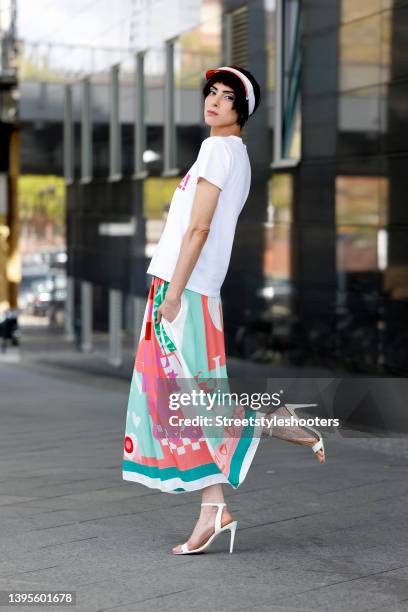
(249, 90)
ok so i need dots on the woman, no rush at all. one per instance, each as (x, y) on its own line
(182, 335)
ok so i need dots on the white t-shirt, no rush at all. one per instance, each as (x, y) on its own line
(223, 161)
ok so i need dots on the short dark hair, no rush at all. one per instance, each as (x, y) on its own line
(232, 80)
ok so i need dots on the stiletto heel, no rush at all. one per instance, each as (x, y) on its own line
(232, 527)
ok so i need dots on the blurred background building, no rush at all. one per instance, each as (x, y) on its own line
(10, 274)
(111, 118)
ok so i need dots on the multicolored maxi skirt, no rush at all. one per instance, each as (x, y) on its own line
(190, 347)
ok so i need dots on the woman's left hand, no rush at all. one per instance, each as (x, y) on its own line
(168, 309)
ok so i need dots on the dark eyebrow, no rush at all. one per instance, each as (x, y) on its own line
(225, 90)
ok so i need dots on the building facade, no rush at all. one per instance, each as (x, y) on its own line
(319, 271)
(10, 268)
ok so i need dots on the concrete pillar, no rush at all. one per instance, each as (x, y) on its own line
(69, 311)
(86, 132)
(68, 135)
(86, 316)
(115, 144)
(139, 122)
(115, 327)
(169, 114)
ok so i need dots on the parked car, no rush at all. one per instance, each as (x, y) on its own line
(49, 295)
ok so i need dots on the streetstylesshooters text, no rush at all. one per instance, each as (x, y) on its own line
(253, 401)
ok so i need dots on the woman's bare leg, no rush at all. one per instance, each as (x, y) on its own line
(288, 433)
(295, 434)
(204, 527)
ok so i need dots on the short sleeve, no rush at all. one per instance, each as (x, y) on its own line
(214, 161)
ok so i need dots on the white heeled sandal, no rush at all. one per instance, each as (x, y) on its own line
(319, 444)
(292, 409)
(217, 530)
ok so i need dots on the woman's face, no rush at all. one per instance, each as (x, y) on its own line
(218, 109)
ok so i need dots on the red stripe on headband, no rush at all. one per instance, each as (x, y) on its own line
(210, 73)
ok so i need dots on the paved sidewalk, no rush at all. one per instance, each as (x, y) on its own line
(44, 347)
(310, 537)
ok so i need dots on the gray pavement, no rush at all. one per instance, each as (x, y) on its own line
(310, 537)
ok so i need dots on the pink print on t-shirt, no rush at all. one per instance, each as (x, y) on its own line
(183, 184)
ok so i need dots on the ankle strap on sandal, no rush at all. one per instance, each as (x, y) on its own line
(220, 505)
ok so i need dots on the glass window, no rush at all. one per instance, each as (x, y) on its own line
(361, 217)
(350, 9)
(284, 80)
(277, 227)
